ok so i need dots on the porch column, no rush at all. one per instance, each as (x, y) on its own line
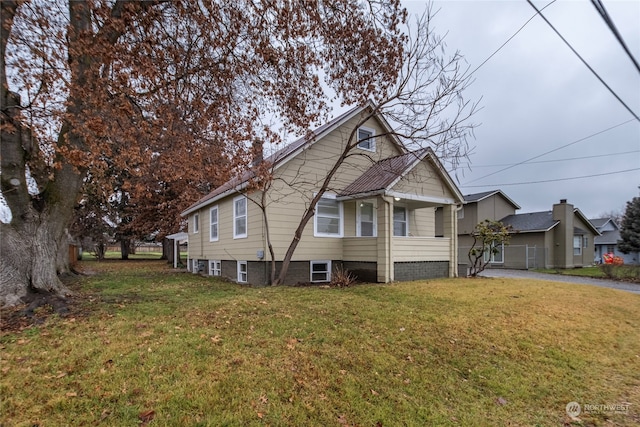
(450, 230)
(385, 240)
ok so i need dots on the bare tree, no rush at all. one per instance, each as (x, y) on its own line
(426, 108)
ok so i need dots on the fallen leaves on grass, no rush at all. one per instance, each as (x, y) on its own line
(146, 416)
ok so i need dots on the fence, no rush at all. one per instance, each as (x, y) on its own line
(139, 249)
(518, 257)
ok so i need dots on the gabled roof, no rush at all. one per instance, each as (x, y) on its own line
(531, 222)
(386, 173)
(477, 197)
(543, 221)
(589, 224)
(383, 173)
(283, 155)
(601, 222)
(608, 238)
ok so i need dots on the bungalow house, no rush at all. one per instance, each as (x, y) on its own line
(377, 219)
(560, 238)
(607, 242)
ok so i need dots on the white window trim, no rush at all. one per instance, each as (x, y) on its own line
(246, 217)
(312, 263)
(217, 236)
(372, 138)
(215, 267)
(579, 247)
(246, 272)
(196, 223)
(341, 214)
(359, 218)
(490, 257)
(406, 221)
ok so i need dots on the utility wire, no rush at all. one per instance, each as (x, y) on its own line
(550, 151)
(583, 61)
(598, 156)
(509, 39)
(550, 180)
(607, 19)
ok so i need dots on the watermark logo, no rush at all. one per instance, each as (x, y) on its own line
(574, 409)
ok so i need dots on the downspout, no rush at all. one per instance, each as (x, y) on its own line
(389, 271)
(454, 240)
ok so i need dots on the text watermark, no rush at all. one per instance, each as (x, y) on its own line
(574, 409)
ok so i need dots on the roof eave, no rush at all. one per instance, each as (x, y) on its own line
(214, 199)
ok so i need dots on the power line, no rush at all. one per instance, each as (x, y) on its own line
(509, 39)
(598, 156)
(583, 61)
(607, 19)
(551, 151)
(550, 180)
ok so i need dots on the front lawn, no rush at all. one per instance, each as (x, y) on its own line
(148, 346)
(630, 273)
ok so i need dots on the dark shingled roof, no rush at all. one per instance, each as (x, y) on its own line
(599, 222)
(383, 173)
(529, 222)
(608, 238)
(475, 197)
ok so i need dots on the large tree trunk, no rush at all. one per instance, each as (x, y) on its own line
(29, 261)
(34, 245)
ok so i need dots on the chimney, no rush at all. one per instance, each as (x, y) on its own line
(563, 234)
(257, 151)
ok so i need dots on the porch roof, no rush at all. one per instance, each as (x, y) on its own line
(382, 176)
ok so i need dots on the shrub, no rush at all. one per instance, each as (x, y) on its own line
(342, 278)
(621, 272)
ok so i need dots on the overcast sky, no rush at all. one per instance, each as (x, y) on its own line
(537, 96)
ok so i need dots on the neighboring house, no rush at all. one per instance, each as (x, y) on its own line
(607, 242)
(560, 238)
(377, 220)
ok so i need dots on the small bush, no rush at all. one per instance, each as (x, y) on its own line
(342, 278)
(621, 272)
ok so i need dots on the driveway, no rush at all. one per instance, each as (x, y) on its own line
(524, 274)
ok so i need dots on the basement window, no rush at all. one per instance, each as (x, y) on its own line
(320, 271)
(215, 268)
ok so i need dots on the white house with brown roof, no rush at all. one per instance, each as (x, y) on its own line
(377, 219)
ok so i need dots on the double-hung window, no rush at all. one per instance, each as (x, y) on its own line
(366, 140)
(577, 245)
(196, 223)
(320, 271)
(400, 221)
(213, 221)
(366, 222)
(239, 217)
(328, 218)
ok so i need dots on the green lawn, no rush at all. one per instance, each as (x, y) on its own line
(197, 351)
(614, 272)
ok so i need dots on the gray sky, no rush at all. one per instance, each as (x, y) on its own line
(537, 96)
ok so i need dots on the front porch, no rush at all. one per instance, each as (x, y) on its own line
(405, 232)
